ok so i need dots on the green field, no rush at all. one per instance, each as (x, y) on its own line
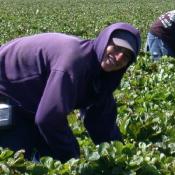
(80, 17)
(146, 97)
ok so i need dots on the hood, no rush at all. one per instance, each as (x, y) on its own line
(109, 81)
(100, 43)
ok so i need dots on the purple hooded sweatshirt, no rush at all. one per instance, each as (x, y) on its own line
(51, 74)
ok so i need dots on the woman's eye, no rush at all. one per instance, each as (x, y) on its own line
(118, 49)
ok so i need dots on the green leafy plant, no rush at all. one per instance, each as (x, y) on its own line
(146, 97)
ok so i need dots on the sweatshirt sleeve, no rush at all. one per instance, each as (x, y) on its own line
(100, 120)
(51, 118)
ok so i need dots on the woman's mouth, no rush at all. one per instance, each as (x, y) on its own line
(111, 60)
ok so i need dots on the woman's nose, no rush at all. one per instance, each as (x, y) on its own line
(119, 56)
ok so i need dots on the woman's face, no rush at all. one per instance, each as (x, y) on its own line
(115, 57)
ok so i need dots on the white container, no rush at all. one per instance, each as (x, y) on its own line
(5, 115)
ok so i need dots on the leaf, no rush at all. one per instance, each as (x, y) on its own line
(6, 153)
(103, 149)
(47, 161)
(37, 169)
(93, 157)
(4, 169)
(148, 169)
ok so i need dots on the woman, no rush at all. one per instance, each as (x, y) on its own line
(48, 75)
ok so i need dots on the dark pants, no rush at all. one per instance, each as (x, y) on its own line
(24, 134)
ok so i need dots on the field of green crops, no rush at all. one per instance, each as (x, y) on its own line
(146, 98)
